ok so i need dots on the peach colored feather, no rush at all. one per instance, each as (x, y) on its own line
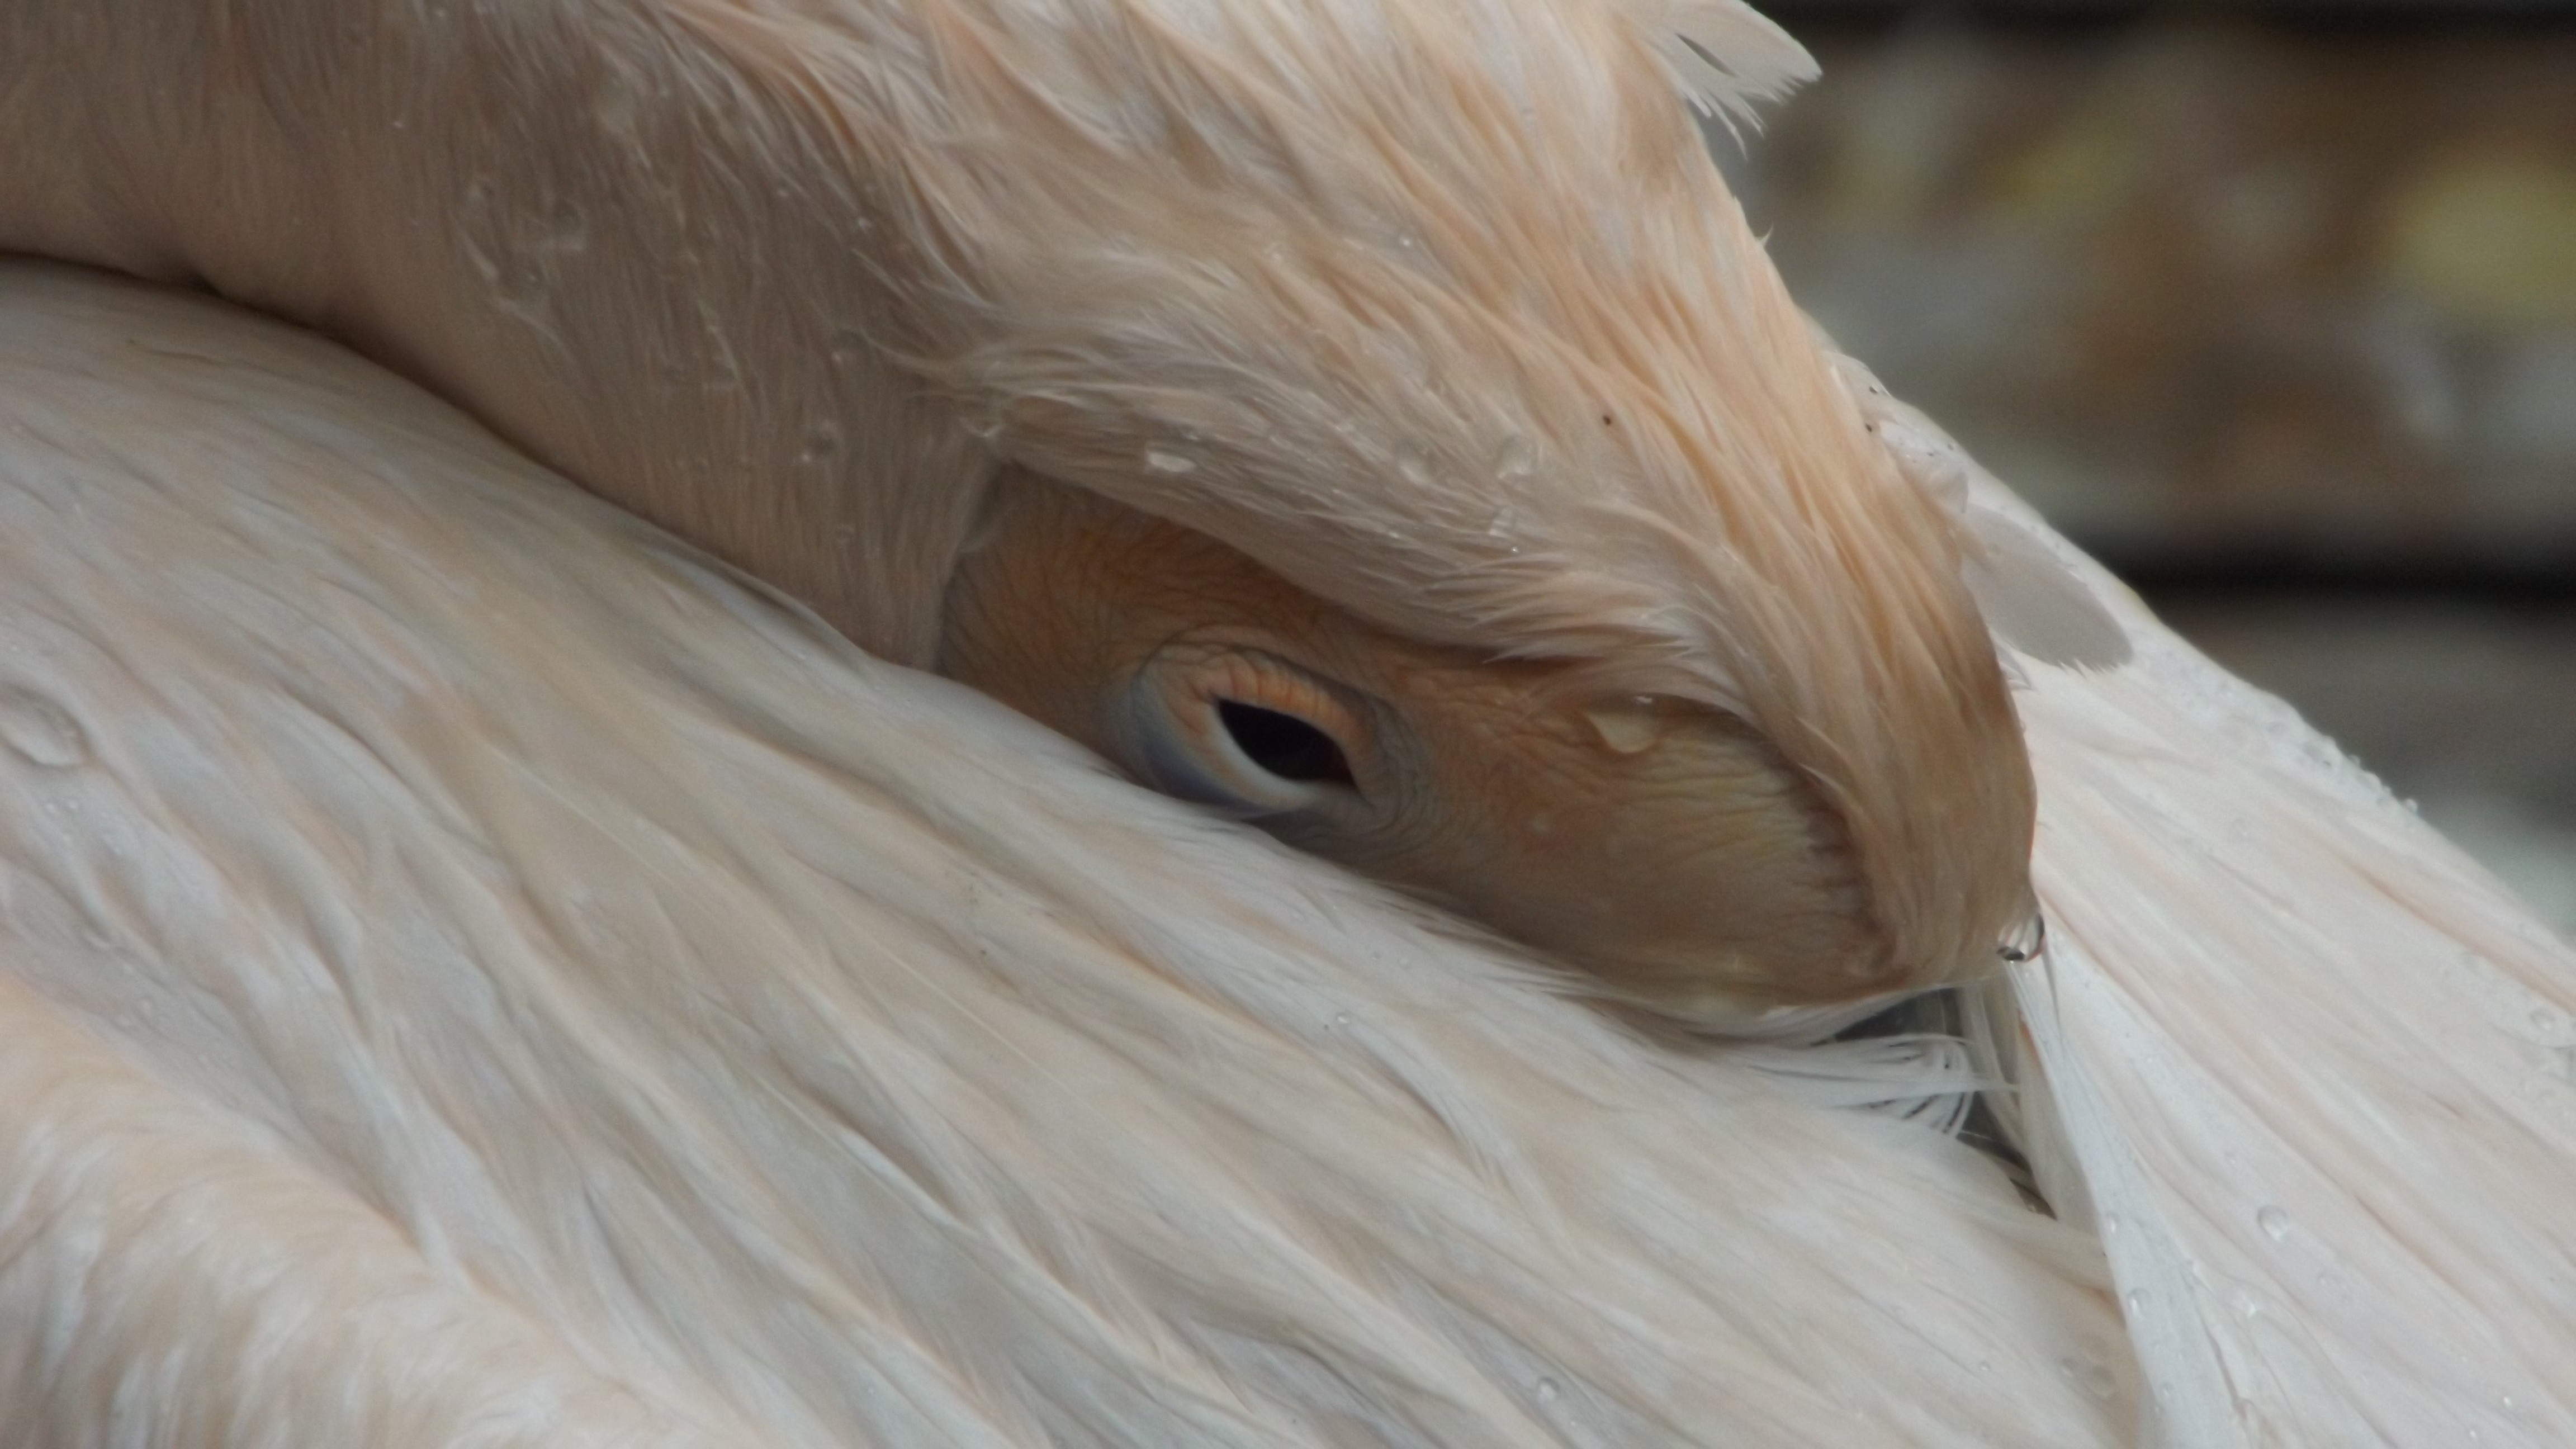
(1434, 307)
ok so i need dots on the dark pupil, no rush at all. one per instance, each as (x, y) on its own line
(1283, 744)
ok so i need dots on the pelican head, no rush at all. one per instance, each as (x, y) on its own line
(1404, 443)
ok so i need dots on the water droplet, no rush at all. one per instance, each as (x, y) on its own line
(1519, 458)
(2025, 941)
(1625, 728)
(1547, 1391)
(821, 442)
(2093, 1377)
(41, 732)
(2136, 1299)
(1415, 469)
(2110, 1225)
(2504, 1401)
(1162, 461)
(519, 283)
(2543, 1019)
(1342, 1019)
(564, 228)
(1500, 524)
(848, 347)
(2274, 1222)
(1985, 1365)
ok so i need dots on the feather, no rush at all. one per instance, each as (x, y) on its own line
(667, 1020)
(1726, 57)
(1435, 308)
(2027, 587)
(702, 1027)
(2301, 1064)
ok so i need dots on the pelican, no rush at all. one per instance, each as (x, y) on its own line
(488, 972)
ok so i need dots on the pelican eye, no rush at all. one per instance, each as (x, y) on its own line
(1284, 745)
(1242, 728)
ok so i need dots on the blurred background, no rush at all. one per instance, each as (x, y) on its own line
(2272, 308)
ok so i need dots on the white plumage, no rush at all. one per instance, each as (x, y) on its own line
(480, 973)
(485, 975)
(804, 1049)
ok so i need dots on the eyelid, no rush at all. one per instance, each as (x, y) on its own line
(1264, 683)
